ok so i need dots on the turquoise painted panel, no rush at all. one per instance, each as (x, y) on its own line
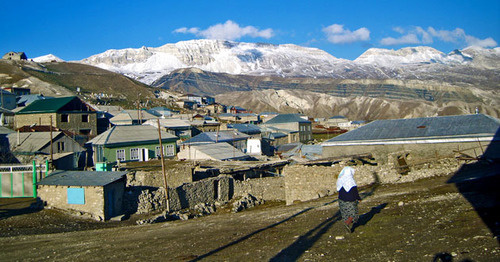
(76, 196)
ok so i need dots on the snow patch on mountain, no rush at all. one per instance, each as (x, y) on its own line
(47, 58)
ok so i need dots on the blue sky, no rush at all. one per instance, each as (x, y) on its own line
(73, 30)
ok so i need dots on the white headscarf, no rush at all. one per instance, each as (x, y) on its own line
(346, 179)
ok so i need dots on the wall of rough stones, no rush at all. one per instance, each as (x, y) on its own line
(418, 152)
(176, 176)
(267, 188)
(303, 183)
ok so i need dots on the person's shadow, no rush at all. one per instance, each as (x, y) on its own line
(364, 218)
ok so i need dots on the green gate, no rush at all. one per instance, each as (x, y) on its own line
(20, 181)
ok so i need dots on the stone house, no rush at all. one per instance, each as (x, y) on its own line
(410, 141)
(130, 143)
(97, 194)
(66, 152)
(15, 56)
(66, 113)
(291, 123)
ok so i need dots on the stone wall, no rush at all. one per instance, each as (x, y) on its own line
(56, 196)
(268, 188)
(176, 176)
(303, 183)
(418, 152)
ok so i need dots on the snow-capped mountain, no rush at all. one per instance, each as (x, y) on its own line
(47, 58)
(148, 64)
(411, 56)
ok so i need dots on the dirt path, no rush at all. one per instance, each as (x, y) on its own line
(407, 222)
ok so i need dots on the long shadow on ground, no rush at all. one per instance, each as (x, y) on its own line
(365, 218)
(304, 242)
(254, 233)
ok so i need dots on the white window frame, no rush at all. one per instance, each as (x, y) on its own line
(170, 150)
(120, 155)
(134, 154)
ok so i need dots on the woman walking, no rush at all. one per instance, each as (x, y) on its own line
(348, 197)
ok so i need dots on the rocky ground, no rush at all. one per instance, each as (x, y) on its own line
(417, 221)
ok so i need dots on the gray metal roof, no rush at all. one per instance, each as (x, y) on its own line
(30, 141)
(221, 151)
(426, 128)
(130, 134)
(221, 136)
(81, 178)
(287, 118)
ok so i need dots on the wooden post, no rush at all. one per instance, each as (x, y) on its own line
(51, 145)
(163, 167)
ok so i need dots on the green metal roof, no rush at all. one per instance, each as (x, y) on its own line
(46, 106)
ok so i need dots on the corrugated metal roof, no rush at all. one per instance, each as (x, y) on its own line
(287, 118)
(47, 105)
(220, 151)
(130, 134)
(248, 129)
(221, 136)
(30, 141)
(81, 178)
(443, 127)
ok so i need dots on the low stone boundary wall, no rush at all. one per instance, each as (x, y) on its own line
(303, 183)
(267, 188)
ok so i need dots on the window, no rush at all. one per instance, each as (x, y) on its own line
(170, 150)
(60, 147)
(85, 132)
(64, 118)
(85, 118)
(134, 154)
(76, 196)
(120, 154)
(158, 153)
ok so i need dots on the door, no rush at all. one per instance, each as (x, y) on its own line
(143, 154)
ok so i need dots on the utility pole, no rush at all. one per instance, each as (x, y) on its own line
(163, 167)
(51, 145)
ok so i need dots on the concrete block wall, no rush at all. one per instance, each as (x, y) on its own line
(56, 196)
(268, 188)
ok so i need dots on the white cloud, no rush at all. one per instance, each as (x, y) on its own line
(338, 35)
(406, 39)
(419, 35)
(227, 31)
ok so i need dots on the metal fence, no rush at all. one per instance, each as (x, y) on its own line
(20, 180)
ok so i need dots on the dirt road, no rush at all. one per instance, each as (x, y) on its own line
(416, 221)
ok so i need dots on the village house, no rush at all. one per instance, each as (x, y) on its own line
(66, 113)
(177, 127)
(6, 117)
(266, 116)
(130, 143)
(237, 110)
(290, 123)
(162, 112)
(7, 99)
(336, 121)
(97, 194)
(232, 137)
(215, 108)
(18, 91)
(212, 151)
(66, 153)
(15, 56)
(409, 141)
(132, 117)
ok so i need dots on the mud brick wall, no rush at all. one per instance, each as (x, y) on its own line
(267, 188)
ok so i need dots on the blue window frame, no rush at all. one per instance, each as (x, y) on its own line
(76, 196)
